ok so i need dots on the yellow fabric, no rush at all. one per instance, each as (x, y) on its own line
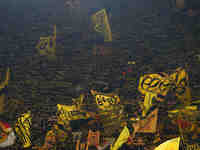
(101, 23)
(123, 138)
(172, 144)
(22, 128)
(154, 83)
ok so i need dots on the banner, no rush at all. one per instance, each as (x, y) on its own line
(149, 124)
(67, 113)
(161, 83)
(47, 45)
(123, 138)
(154, 83)
(101, 23)
(22, 128)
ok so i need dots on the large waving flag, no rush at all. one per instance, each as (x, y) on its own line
(162, 83)
(101, 24)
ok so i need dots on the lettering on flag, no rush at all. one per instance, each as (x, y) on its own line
(105, 102)
(154, 83)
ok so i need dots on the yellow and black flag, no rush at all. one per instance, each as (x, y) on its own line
(47, 45)
(101, 24)
(22, 128)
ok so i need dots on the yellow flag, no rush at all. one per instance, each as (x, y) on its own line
(22, 128)
(154, 83)
(123, 138)
(47, 45)
(172, 144)
(67, 113)
(101, 22)
(181, 79)
(160, 84)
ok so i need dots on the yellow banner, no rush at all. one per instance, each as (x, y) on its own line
(105, 102)
(67, 113)
(101, 23)
(154, 83)
(22, 128)
(47, 45)
(161, 83)
(123, 138)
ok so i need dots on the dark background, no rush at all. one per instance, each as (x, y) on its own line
(144, 31)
